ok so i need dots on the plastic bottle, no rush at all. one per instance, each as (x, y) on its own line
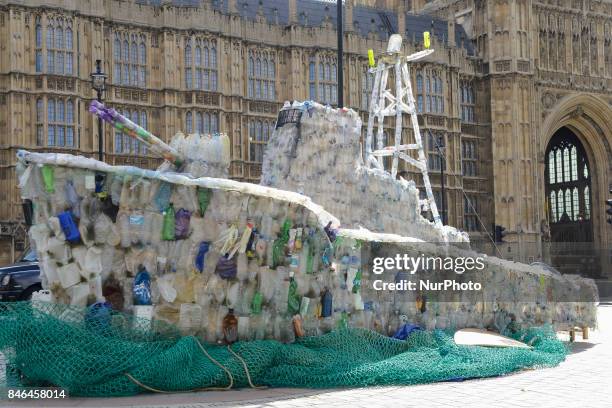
(69, 227)
(270, 253)
(357, 282)
(48, 173)
(293, 299)
(394, 323)
(190, 317)
(204, 195)
(141, 288)
(169, 226)
(342, 321)
(256, 304)
(124, 230)
(291, 242)
(294, 262)
(100, 180)
(230, 327)
(113, 293)
(93, 260)
(124, 198)
(136, 225)
(266, 226)
(286, 332)
(297, 326)
(202, 251)
(326, 303)
(182, 219)
(73, 198)
(115, 189)
(98, 317)
(162, 196)
(298, 240)
(305, 260)
(242, 266)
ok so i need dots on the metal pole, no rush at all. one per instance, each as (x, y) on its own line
(340, 59)
(100, 138)
(442, 165)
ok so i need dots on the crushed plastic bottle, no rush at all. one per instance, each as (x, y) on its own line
(203, 248)
(226, 267)
(182, 218)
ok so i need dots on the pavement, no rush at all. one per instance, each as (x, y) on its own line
(584, 379)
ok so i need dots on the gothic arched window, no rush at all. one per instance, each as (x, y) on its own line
(568, 183)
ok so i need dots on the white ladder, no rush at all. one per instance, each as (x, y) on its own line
(382, 104)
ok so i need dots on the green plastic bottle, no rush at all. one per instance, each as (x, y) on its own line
(357, 282)
(256, 304)
(343, 322)
(204, 199)
(278, 252)
(293, 299)
(169, 224)
(48, 174)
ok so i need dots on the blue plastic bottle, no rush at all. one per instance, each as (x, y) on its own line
(69, 227)
(142, 287)
(326, 304)
(98, 317)
(199, 259)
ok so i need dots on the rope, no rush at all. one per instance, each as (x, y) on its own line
(229, 374)
(481, 223)
(246, 370)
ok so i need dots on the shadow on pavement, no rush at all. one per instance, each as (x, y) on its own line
(580, 346)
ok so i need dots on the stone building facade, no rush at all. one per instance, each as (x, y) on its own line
(518, 92)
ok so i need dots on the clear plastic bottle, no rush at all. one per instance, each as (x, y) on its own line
(266, 227)
(394, 323)
(270, 253)
(124, 230)
(241, 266)
(137, 226)
(304, 258)
(287, 333)
(295, 262)
(116, 188)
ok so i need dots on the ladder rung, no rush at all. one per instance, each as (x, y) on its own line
(389, 150)
(419, 55)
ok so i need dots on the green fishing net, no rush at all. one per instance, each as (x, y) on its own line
(114, 354)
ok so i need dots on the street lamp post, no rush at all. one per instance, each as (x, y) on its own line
(440, 146)
(340, 30)
(98, 83)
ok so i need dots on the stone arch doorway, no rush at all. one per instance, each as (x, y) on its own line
(582, 120)
(568, 189)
